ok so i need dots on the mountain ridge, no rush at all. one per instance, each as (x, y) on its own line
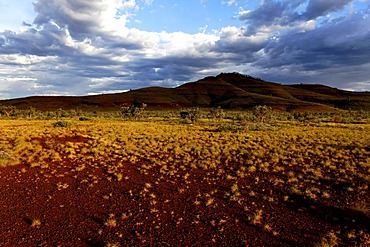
(228, 90)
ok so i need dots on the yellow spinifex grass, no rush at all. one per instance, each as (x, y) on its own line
(339, 149)
(294, 160)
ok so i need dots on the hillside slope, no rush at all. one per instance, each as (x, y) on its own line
(228, 90)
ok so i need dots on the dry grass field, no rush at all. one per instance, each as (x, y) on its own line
(113, 182)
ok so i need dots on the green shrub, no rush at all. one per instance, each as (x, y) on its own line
(84, 119)
(262, 114)
(306, 117)
(217, 113)
(191, 115)
(7, 111)
(133, 111)
(62, 124)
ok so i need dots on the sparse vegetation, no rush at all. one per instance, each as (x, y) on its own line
(111, 223)
(62, 124)
(133, 112)
(362, 207)
(217, 113)
(191, 115)
(5, 158)
(84, 119)
(7, 111)
(330, 240)
(35, 223)
(289, 168)
(133, 181)
(262, 114)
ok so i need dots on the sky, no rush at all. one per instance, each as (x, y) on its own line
(85, 47)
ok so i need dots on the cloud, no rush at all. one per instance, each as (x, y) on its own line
(231, 2)
(292, 46)
(26, 24)
(271, 13)
(82, 17)
(18, 79)
(85, 47)
(318, 8)
(148, 2)
(289, 13)
(125, 58)
(15, 59)
(340, 42)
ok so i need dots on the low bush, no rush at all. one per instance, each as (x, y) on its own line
(84, 119)
(217, 113)
(191, 115)
(262, 114)
(62, 124)
(133, 112)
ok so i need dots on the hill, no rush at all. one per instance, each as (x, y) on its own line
(228, 90)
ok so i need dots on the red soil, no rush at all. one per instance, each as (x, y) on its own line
(155, 209)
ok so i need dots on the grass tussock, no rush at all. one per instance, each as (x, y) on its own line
(252, 162)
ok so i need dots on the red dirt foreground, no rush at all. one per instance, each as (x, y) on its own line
(71, 204)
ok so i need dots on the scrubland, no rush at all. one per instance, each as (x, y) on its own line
(165, 182)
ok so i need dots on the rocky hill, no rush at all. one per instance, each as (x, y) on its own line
(228, 90)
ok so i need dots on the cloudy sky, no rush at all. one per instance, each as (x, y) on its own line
(80, 47)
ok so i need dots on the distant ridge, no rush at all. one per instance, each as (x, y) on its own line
(228, 90)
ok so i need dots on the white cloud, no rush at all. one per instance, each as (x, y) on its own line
(79, 47)
(148, 2)
(17, 59)
(85, 16)
(231, 2)
(15, 79)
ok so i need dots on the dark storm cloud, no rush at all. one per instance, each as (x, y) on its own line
(72, 14)
(26, 24)
(83, 19)
(271, 12)
(168, 69)
(285, 13)
(297, 47)
(74, 48)
(340, 42)
(318, 8)
(34, 42)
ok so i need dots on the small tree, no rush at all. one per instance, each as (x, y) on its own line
(217, 113)
(133, 112)
(60, 113)
(7, 111)
(31, 112)
(191, 115)
(75, 113)
(262, 114)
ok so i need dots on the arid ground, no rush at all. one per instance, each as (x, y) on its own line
(123, 183)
